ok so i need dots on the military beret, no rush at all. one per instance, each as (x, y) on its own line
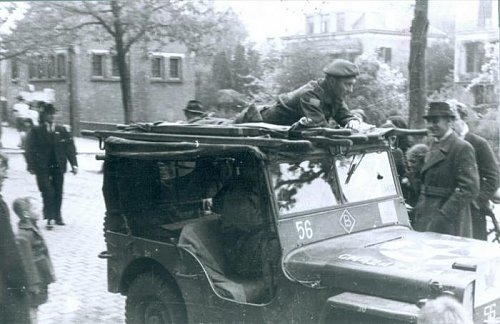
(341, 68)
(439, 109)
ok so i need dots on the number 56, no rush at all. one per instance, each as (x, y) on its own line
(304, 229)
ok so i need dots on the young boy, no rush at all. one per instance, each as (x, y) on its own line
(34, 254)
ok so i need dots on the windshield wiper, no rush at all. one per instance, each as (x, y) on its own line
(352, 167)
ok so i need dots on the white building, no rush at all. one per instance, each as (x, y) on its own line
(476, 33)
(349, 33)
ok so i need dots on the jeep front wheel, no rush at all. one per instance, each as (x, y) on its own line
(150, 300)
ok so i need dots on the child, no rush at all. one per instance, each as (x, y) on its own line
(34, 254)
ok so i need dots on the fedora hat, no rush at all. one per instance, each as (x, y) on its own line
(47, 108)
(439, 109)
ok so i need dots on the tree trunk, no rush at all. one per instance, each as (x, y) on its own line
(123, 69)
(74, 107)
(416, 64)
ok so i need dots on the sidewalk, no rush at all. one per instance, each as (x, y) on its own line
(79, 294)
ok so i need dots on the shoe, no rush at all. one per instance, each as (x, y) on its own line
(49, 227)
(60, 223)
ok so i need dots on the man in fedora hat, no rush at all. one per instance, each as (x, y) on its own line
(194, 111)
(318, 100)
(449, 177)
(48, 149)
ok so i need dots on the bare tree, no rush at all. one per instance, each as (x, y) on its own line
(416, 64)
(122, 23)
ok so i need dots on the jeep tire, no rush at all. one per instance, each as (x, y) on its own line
(150, 300)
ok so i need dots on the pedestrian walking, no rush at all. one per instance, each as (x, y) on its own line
(14, 307)
(450, 180)
(48, 149)
(34, 254)
(25, 118)
(487, 166)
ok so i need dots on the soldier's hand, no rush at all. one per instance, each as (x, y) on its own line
(74, 169)
(353, 124)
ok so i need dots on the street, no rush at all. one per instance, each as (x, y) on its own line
(80, 293)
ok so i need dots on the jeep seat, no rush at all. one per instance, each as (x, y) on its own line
(203, 240)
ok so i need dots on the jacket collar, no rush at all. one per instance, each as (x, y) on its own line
(28, 225)
(440, 151)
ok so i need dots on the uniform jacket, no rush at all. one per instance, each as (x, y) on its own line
(311, 101)
(487, 167)
(42, 146)
(35, 256)
(450, 182)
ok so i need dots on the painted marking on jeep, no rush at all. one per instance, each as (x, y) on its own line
(304, 229)
(347, 221)
(365, 260)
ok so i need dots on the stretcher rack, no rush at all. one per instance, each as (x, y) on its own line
(262, 135)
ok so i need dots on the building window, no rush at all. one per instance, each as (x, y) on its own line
(309, 25)
(325, 24)
(157, 67)
(474, 57)
(114, 66)
(385, 54)
(97, 65)
(174, 68)
(341, 21)
(484, 13)
(14, 69)
(32, 69)
(41, 63)
(51, 66)
(61, 65)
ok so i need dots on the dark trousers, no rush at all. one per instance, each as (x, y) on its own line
(478, 223)
(50, 184)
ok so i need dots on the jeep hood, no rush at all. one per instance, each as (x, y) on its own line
(398, 263)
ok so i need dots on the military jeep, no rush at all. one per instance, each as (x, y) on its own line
(338, 245)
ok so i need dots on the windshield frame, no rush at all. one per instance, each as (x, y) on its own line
(342, 202)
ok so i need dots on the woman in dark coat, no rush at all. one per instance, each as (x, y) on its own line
(14, 306)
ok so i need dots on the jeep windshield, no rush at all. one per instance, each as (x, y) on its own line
(325, 183)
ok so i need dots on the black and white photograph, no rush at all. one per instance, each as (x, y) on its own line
(249, 161)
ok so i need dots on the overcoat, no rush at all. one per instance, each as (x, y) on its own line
(45, 150)
(36, 260)
(13, 297)
(450, 182)
(488, 183)
(310, 100)
(487, 167)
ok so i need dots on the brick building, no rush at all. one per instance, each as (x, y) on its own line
(85, 78)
